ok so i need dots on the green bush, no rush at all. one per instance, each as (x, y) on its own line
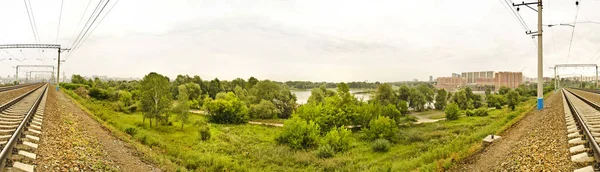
(325, 151)
(98, 94)
(382, 127)
(204, 132)
(339, 139)
(452, 111)
(227, 110)
(70, 86)
(481, 112)
(264, 110)
(469, 112)
(381, 145)
(298, 133)
(131, 131)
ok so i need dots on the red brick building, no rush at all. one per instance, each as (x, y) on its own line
(508, 79)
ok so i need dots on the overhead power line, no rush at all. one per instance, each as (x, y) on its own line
(573, 32)
(95, 26)
(59, 19)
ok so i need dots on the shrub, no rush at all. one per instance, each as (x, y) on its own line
(98, 93)
(381, 145)
(469, 112)
(382, 127)
(481, 112)
(228, 110)
(338, 138)
(325, 151)
(70, 86)
(131, 131)
(403, 107)
(298, 133)
(204, 132)
(512, 99)
(264, 110)
(452, 111)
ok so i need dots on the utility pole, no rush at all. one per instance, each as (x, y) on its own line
(540, 65)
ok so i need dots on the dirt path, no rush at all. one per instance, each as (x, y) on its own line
(73, 141)
(536, 143)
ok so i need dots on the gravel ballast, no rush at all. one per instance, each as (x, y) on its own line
(536, 143)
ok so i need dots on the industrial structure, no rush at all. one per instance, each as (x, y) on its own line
(480, 80)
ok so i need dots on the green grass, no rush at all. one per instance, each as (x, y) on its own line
(431, 114)
(424, 147)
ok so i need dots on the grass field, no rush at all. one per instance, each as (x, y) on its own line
(424, 147)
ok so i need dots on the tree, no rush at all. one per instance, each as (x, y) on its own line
(155, 97)
(264, 110)
(316, 96)
(461, 99)
(488, 91)
(403, 93)
(226, 109)
(78, 79)
(440, 99)
(193, 90)
(277, 94)
(251, 82)
(381, 128)
(476, 101)
(496, 101)
(238, 82)
(503, 90)
(416, 99)
(512, 99)
(385, 95)
(402, 106)
(427, 91)
(299, 134)
(214, 88)
(183, 106)
(452, 111)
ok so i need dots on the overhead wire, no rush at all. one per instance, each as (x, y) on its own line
(96, 26)
(87, 25)
(59, 19)
(572, 33)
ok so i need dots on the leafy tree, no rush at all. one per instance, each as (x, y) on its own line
(338, 138)
(316, 96)
(512, 99)
(381, 128)
(251, 82)
(125, 100)
(402, 106)
(488, 91)
(183, 106)
(503, 90)
(264, 110)
(78, 79)
(277, 94)
(214, 88)
(416, 100)
(461, 99)
(385, 95)
(404, 93)
(469, 92)
(427, 91)
(496, 101)
(242, 94)
(476, 101)
(226, 109)
(440, 99)
(238, 82)
(155, 97)
(98, 93)
(299, 134)
(452, 111)
(193, 90)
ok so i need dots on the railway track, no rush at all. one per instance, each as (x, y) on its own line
(583, 125)
(8, 88)
(20, 128)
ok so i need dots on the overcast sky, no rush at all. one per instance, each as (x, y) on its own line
(320, 40)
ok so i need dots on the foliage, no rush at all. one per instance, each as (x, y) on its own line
(280, 96)
(82, 92)
(381, 145)
(251, 82)
(440, 99)
(481, 112)
(476, 101)
(382, 127)
(503, 90)
(427, 91)
(98, 93)
(488, 91)
(227, 109)
(385, 95)
(416, 99)
(496, 101)
(204, 131)
(155, 97)
(402, 106)
(264, 110)
(131, 131)
(404, 93)
(299, 134)
(77, 79)
(214, 88)
(452, 111)
(512, 99)
(338, 138)
(71, 86)
(325, 151)
(461, 99)
(183, 105)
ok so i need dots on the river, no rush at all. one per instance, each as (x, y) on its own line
(302, 95)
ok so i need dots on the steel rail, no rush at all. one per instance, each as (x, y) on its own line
(592, 143)
(8, 88)
(7, 150)
(588, 90)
